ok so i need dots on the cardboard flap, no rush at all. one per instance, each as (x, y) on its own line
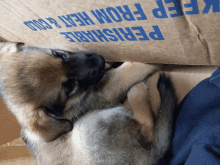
(156, 31)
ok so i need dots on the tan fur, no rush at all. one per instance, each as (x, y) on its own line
(139, 100)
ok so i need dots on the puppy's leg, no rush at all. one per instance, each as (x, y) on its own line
(139, 99)
(117, 83)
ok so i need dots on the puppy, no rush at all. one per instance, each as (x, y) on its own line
(50, 90)
(115, 136)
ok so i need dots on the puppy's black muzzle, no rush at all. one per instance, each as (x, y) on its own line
(97, 65)
(85, 67)
(94, 70)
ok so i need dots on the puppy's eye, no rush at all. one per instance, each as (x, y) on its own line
(69, 87)
(54, 110)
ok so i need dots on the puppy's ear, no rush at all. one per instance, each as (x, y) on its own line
(50, 128)
(61, 53)
(11, 47)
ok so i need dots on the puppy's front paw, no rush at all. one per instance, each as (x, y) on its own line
(150, 67)
(138, 94)
(138, 71)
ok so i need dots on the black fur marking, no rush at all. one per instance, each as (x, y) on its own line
(54, 110)
(68, 86)
(85, 68)
(164, 125)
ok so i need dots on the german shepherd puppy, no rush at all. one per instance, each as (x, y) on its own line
(71, 112)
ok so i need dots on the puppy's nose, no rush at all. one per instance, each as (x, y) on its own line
(94, 60)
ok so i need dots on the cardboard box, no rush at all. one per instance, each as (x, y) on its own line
(154, 31)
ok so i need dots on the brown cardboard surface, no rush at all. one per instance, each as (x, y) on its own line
(9, 127)
(19, 161)
(16, 153)
(163, 31)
